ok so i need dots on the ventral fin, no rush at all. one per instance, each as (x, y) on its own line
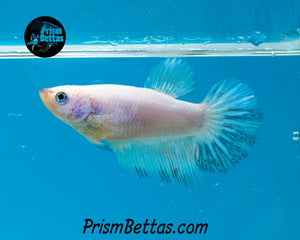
(173, 77)
(102, 144)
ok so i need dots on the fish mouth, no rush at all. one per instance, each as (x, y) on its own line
(44, 95)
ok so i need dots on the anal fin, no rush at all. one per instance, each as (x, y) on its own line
(173, 159)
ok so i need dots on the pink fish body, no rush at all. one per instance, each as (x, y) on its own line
(124, 112)
(155, 134)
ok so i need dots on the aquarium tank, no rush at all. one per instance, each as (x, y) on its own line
(205, 144)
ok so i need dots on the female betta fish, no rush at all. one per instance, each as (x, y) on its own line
(153, 133)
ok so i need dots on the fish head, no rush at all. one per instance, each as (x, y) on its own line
(68, 103)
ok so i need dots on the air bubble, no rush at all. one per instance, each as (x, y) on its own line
(296, 136)
(256, 38)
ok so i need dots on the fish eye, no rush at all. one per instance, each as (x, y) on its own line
(61, 97)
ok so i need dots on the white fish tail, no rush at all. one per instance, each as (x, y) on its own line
(230, 128)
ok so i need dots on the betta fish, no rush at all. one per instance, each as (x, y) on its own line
(153, 133)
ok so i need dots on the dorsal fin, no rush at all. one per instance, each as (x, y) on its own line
(173, 77)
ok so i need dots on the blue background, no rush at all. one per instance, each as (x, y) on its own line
(169, 20)
(51, 178)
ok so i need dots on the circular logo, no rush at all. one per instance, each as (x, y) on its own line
(45, 37)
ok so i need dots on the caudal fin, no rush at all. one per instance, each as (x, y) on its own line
(231, 125)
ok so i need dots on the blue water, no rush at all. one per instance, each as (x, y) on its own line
(147, 21)
(51, 178)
